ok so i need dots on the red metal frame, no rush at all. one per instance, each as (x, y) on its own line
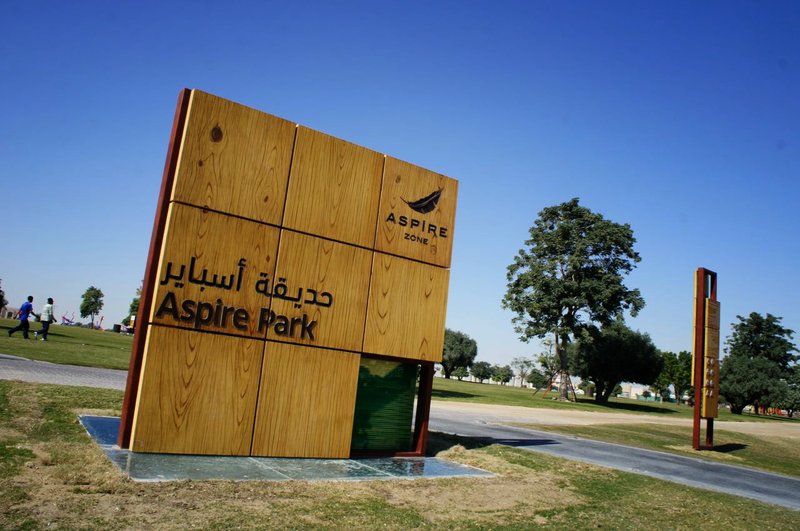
(702, 275)
(142, 316)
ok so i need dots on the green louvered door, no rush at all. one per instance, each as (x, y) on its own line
(384, 406)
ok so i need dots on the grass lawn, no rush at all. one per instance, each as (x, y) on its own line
(52, 475)
(774, 454)
(70, 345)
(453, 390)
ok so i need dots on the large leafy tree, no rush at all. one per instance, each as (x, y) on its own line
(677, 372)
(502, 374)
(460, 350)
(616, 354)
(481, 370)
(92, 303)
(759, 361)
(569, 275)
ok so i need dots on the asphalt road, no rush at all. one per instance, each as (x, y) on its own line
(477, 422)
(740, 481)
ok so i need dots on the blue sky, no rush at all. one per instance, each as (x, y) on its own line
(679, 118)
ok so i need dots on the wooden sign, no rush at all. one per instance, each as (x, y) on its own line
(705, 356)
(712, 314)
(282, 260)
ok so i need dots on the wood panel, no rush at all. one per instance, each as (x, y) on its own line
(234, 159)
(406, 311)
(712, 314)
(710, 405)
(417, 213)
(334, 189)
(206, 245)
(306, 402)
(330, 281)
(197, 393)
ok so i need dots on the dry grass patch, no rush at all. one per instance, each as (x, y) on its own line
(513, 491)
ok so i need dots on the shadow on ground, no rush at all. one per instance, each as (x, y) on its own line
(728, 448)
(438, 393)
(439, 442)
(633, 406)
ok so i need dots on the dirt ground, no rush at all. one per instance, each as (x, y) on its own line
(523, 415)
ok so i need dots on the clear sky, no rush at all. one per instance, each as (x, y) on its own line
(681, 118)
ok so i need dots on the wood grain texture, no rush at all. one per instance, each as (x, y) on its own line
(712, 314)
(216, 243)
(197, 393)
(424, 236)
(406, 309)
(711, 347)
(334, 189)
(306, 402)
(328, 273)
(234, 159)
(710, 405)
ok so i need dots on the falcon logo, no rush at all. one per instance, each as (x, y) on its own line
(427, 203)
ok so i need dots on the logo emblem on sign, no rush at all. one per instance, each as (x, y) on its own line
(427, 203)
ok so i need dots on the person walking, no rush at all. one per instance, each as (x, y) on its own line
(46, 317)
(24, 311)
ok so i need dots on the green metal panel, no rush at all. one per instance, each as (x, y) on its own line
(384, 406)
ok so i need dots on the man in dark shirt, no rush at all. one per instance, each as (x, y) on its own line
(25, 310)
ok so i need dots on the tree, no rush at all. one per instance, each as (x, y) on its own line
(481, 370)
(92, 303)
(3, 301)
(682, 377)
(677, 372)
(460, 350)
(502, 374)
(746, 381)
(537, 379)
(758, 362)
(790, 400)
(570, 275)
(460, 373)
(548, 359)
(133, 309)
(522, 367)
(616, 354)
(587, 386)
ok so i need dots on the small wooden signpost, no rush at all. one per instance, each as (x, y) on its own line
(705, 356)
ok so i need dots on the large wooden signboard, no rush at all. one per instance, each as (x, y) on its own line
(280, 257)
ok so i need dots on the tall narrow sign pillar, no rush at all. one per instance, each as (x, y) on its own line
(705, 356)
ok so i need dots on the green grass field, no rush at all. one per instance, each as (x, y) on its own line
(513, 396)
(53, 476)
(70, 345)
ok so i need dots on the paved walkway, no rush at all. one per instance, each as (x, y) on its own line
(16, 368)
